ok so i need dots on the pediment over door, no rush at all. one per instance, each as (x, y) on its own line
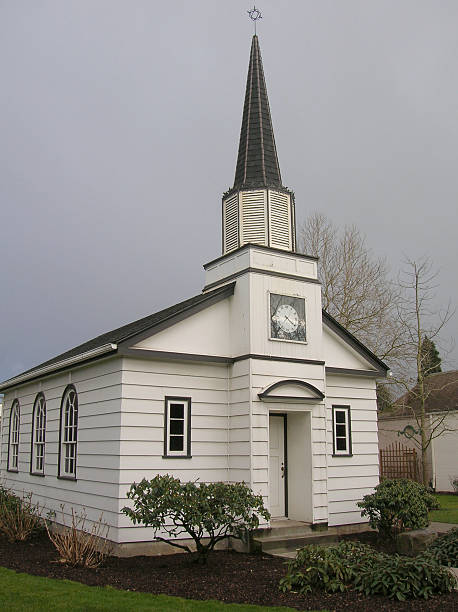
(291, 390)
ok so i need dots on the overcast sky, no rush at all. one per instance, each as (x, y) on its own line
(119, 126)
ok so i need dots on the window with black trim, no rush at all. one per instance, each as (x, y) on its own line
(13, 440)
(68, 433)
(341, 429)
(37, 465)
(177, 427)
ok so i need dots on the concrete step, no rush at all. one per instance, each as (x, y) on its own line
(284, 530)
(294, 541)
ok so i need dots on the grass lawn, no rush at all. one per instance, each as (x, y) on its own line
(25, 593)
(448, 512)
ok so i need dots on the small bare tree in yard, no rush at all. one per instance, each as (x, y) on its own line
(357, 289)
(421, 327)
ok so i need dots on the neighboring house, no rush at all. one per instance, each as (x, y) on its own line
(442, 402)
(247, 381)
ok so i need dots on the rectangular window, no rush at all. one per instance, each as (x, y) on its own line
(177, 427)
(341, 429)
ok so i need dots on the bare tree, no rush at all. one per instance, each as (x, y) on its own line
(419, 321)
(357, 289)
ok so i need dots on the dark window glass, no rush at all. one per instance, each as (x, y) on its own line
(176, 411)
(341, 444)
(176, 443)
(177, 427)
(340, 416)
(341, 431)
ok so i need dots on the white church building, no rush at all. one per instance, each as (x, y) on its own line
(250, 380)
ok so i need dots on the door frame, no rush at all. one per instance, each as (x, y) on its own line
(285, 453)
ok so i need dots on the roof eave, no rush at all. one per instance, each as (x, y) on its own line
(59, 365)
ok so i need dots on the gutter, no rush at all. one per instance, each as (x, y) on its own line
(17, 380)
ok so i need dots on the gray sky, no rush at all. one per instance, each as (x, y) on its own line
(119, 126)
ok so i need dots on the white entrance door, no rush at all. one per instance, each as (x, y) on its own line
(277, 466)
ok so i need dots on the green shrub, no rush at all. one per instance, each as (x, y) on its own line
(397, 505)
(403, 577)
(207, 513)
(19, 518)
(323, 568)
(353, 565)
(444, 549)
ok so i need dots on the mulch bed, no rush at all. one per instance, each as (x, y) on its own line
(228, 577)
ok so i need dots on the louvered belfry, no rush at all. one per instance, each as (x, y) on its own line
(258, 209)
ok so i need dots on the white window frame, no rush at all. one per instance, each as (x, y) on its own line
(168, 418)
(347, 423)
(37, 464)
(13, 437)
(68, 434)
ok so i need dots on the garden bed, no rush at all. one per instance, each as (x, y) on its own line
(228, 577)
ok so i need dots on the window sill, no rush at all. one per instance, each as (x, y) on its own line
(342, 454)
(37, 474)
(66, 478)
(13, 470)
(176, 456)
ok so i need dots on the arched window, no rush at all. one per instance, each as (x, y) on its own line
(13, 446)
(68, 433)
(37, 465)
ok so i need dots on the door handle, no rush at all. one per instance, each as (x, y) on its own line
(282, 470)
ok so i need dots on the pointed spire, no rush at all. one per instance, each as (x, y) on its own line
(257, 162)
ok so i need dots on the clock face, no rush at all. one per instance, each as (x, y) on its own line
(287, 318)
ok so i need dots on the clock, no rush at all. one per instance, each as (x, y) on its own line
(287, 318)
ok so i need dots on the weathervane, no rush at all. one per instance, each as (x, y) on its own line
(254, 14)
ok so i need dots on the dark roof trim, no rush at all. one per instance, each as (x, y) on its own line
(354, 343)
(261, 247)
(304, 279)
(292, 381)
(351, 372)
(208, 300)
(275, 358)
(171, 356)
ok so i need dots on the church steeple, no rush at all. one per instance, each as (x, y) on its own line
(257, 162)
(258, 209)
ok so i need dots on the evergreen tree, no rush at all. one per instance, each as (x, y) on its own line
(430, 360)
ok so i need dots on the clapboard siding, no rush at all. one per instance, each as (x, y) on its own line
(96, 489)
(350, 478)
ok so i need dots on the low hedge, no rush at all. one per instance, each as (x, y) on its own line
(359, 566)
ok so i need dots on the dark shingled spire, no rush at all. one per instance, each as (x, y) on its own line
(257, 162)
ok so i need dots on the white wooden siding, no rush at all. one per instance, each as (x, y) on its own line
(350, 478)
(96, 488)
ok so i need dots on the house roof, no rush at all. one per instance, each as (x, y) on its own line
(442, 396)
(124, 333)
(257, 161)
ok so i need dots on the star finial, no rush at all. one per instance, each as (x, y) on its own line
(254, 14)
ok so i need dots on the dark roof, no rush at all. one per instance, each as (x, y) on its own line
(441, 391)
(257, 162)
(126, 332)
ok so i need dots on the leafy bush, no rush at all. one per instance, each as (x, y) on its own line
(444, 549)
(78, 546)
(397, 505)
(212, 511)
(323, 568)
(359, 566)
(403, 578)
(19, 518)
